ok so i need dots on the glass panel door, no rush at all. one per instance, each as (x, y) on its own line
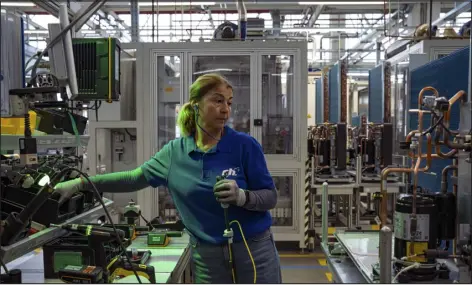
(237, 69)
(169, 85)
(282, 214)
(277, 100)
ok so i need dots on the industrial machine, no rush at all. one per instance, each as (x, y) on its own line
(327, 147)
(373, 144)
(428, 239)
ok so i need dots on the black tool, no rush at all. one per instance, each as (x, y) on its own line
(98, 236)
(139, 257)
(228, 233)
(82, 274)
(12, 277)
(120, 268)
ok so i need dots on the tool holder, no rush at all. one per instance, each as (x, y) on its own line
(49, 212)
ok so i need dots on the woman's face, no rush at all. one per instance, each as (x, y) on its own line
(215, 107)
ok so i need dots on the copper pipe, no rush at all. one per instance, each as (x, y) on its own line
(454, 98)
(383, 190)
(429, 156)
(418, 160)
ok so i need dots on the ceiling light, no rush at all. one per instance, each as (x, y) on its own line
(341, 3)
(213, 70)
(357, 74)
(36, 32)
(17, 4)
(317, 30)
(176, 3)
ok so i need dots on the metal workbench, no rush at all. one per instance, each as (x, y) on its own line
(361, 248)
(171, 263)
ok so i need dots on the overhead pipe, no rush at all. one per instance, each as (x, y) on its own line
(242, 17)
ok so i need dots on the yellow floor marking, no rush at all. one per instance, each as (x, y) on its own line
(322, 262)
(329, 276)
(38, 250)
(302, 255)
(375, 227)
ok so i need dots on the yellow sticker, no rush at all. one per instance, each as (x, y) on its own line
(418, 248)
(329, 276)
(169, 89)
(375, 227)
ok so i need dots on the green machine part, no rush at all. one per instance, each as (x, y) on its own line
(157, 239)
(97, 67)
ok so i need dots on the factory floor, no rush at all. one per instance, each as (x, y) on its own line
(308, 267)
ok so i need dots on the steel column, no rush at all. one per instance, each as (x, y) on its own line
(134, 10)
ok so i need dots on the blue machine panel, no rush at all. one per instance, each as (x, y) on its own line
(319, 101)
(356, 121)
(376, 105)
(448, 75)
(334, 94)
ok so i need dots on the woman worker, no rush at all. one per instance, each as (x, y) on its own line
(189, 166)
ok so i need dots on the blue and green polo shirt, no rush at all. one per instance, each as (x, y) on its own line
(190, 175)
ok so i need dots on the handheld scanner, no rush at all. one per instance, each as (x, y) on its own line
(218, 179)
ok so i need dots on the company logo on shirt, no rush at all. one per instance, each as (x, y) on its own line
(230, 172)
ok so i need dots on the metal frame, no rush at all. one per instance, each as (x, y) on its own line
(339, 63)
(277, 164)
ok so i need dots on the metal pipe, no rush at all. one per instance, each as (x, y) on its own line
(470, 68)
(418, 162)
(242, 17)
(68, 50)
(430, 19)
(324, 213)
(444, 173)
(385, 255)
(454, 191)
(383, 190)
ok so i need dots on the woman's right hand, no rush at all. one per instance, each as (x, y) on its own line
(65, 190)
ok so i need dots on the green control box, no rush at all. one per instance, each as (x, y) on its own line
(97, 68)
(157, 239)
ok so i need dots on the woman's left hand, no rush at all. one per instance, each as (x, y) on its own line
(228, 192)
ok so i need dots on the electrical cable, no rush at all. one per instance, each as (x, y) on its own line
(404, 270)
(144, 219)
(131, 137)
(433, 127)
(99, 198)
(248, 249)
(196, 122)
(61, 34)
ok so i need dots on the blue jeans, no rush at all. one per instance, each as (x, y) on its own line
(210, 262)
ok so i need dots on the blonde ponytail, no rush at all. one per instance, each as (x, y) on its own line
(186, 120)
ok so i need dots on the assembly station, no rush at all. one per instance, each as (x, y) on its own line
(236, 141)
